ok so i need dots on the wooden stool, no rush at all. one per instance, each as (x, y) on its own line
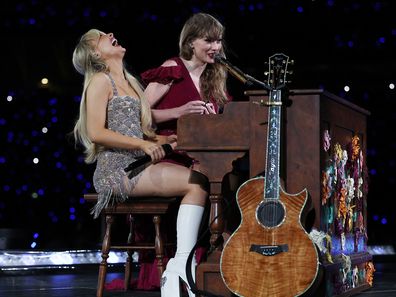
(154, 206)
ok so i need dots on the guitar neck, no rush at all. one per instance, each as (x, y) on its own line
(272, 179)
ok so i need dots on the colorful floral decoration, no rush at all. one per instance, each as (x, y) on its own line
(345, 267)
(326, 140)
(343, 188)
(319, 238)
(329, 247)
(355, 277)
(355, 148)
(325, 187)
(342, 207)
(370, 273)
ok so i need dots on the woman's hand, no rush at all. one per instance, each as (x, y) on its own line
(154, 150)
(172, 140)
(210, 108)
(196, 106)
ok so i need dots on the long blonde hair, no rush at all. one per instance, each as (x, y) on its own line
(213, 79)
(87, 63)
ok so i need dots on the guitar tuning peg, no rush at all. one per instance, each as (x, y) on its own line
(266, 73)
(291, 62)
(289, 72)
(288, 81)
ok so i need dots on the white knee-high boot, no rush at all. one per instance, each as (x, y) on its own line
(187, 227)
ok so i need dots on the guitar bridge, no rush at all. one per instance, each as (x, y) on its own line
(269, 250)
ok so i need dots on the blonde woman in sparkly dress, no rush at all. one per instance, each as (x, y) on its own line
(115, 127)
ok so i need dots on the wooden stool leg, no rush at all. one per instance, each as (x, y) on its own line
(128, 263)
(105, 256)
(159, 245)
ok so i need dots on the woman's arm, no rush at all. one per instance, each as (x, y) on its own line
(98, 93)
(154, 93)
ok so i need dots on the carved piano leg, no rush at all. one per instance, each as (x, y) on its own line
(217, 220)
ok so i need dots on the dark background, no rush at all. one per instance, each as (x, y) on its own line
(334, 44)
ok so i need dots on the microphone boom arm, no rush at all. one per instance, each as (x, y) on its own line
(258, 82)
(238, 74)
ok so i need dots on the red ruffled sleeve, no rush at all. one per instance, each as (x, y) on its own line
(162, 75)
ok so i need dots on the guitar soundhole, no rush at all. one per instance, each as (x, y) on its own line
(270, 213)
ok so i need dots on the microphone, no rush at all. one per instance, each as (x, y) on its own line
(235, 71)
(146, 158)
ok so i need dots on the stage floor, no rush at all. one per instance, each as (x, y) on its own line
(82, 283)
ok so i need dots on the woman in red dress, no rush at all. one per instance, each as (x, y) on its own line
(189, 83)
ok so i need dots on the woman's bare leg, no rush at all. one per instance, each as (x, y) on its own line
(167, 179)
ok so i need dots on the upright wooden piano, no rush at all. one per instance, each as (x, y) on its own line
(314, 117)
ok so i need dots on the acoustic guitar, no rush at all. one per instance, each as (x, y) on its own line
(270, 254)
